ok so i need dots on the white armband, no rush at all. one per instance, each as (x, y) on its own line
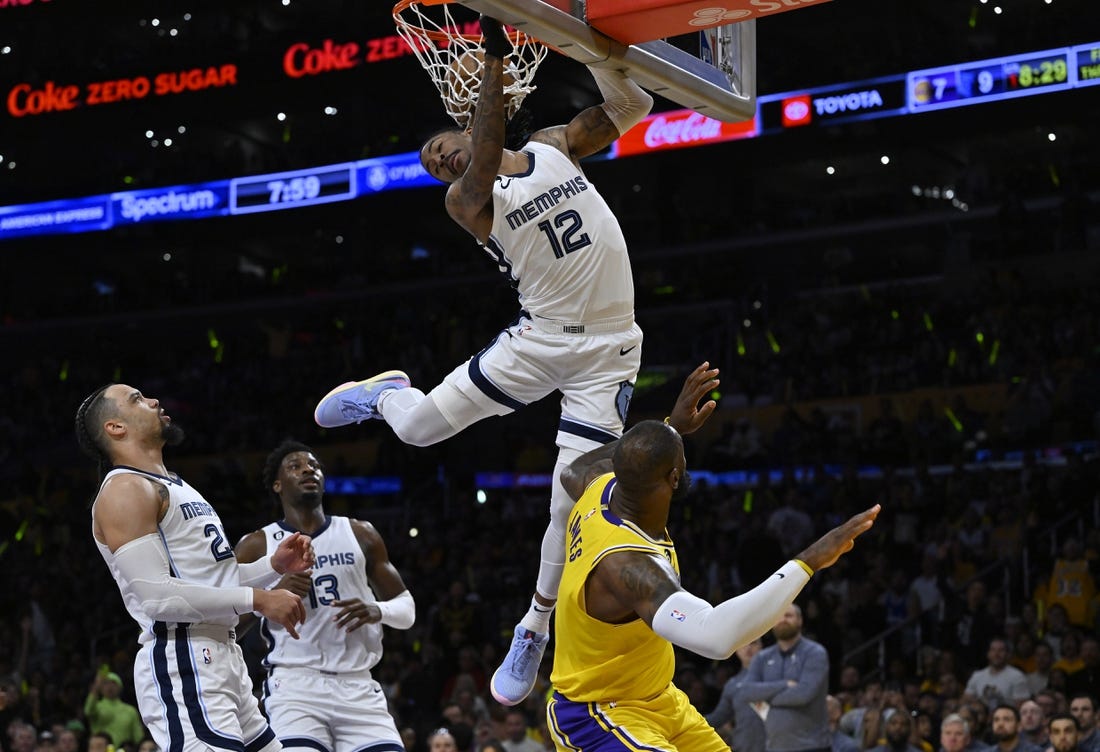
(625, 103)
(716, 631)
(142, 565)
(398, 612)
(258, 574)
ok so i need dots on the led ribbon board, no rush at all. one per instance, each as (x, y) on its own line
(959, 85)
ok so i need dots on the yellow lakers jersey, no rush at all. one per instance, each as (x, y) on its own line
(595, 661)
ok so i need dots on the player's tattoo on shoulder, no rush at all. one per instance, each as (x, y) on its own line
(595, 119)
(551, 137)
(162, 492)
(640, 577)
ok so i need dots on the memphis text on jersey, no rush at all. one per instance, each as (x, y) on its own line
(545, 201)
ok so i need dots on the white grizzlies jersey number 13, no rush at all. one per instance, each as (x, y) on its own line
(559, 242)
(339, 574)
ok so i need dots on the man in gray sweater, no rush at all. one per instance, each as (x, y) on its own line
(792, 678)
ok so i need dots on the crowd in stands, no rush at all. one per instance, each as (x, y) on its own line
(987, 513)
(924, 570)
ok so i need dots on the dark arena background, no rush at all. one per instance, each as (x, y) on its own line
(901, 293)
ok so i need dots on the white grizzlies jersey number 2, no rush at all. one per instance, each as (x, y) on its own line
(558, 241)
(194, 541)
(339, 573)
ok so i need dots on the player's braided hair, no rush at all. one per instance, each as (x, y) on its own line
(89, 427)
(518, 129)
(271, 467)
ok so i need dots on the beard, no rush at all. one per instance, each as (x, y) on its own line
(172, 434)
(896, 741)
(683, 489)
(309, 499)
(785, 631)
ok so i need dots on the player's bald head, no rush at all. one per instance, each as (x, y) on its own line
(646, 454)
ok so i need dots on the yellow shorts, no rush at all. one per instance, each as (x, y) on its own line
(667, 722)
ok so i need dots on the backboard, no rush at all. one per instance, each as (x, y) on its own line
(719, 82)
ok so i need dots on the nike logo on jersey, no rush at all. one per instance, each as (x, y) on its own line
(504, 182)
(780, 575)
(624, 351)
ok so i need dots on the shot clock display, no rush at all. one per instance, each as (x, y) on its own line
(990, 80)
(287, 190)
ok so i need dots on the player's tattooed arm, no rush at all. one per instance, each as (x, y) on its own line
(587, 133)
(470, 198)
(629, 585)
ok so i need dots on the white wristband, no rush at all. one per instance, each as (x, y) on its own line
(716, 631)
(398, 612)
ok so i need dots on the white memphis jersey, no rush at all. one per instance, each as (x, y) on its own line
(559, 243)
(194, 539)
(340, 573)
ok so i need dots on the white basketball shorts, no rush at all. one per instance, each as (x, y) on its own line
(594, 372)
(329, 713)
(194, 693)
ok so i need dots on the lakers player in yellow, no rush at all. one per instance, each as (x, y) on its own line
(621, 607)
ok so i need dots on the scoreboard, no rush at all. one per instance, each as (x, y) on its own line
(959, 85)
(1003, 78)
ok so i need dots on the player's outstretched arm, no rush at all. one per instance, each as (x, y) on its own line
(625, 105)
(686, 416)
(470, 198)
(647, 586)
(826, 550)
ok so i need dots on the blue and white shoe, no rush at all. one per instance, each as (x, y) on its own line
(357, 401)
(514, 680)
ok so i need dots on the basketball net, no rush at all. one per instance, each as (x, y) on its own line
(454, 60)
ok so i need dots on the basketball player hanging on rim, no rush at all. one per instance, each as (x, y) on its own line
(535, 213)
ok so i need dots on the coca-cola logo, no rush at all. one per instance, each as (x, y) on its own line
(680, 129)
(24, 99)
(302, 60)
(664, 131)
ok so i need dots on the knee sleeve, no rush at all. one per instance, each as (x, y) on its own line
(415, 418)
